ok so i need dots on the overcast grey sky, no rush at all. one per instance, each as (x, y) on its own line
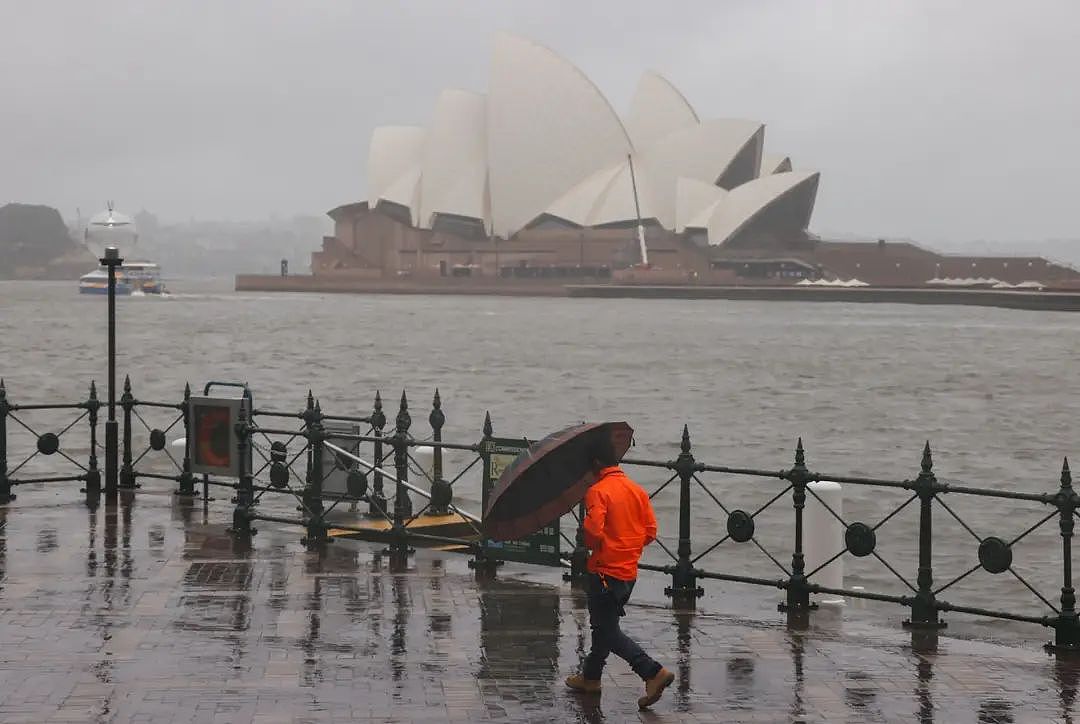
(937, 120)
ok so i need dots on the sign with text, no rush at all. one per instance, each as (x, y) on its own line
(542, 546)
(212, 431)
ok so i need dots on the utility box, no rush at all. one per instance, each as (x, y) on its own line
(336, 467)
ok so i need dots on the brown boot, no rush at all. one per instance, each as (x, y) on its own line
(654, 687)
(577, 682)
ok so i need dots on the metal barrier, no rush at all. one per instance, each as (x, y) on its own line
(393, 520)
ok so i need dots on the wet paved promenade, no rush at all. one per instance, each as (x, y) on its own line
(145, 612)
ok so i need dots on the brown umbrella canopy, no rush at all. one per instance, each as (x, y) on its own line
(548, 479)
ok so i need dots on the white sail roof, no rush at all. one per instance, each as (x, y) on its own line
(576, 205)
(703, 152)
(549, 128)
(743, 203)
(546, 142)
(694, 203)
(771, 164)
(616, 204)
(656, 110)
(454, 170)
(394, 161)
(405, 191)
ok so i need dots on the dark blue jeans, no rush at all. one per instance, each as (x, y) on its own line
(605, 607)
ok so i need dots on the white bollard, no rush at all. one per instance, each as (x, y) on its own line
(823, 538)
(424, 458)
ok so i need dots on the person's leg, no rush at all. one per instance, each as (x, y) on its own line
(655, 676)
(622, 645)
(604, 622)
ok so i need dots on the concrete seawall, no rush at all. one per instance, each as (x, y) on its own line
(1047, 301)
(1032, 300)
(449, 285)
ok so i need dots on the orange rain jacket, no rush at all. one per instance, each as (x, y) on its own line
(619, 523)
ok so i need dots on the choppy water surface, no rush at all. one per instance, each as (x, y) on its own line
(864, 385)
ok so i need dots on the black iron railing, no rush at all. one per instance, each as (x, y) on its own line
(380, 465)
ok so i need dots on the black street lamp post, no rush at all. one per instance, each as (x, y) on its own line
(112, 260)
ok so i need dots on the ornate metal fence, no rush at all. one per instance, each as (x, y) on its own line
(382, 474)
(42, 444)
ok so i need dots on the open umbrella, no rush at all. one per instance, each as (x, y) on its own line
(548, 479)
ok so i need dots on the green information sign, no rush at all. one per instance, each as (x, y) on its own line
(542, 546)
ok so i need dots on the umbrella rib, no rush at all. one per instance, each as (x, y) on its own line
(548, 479)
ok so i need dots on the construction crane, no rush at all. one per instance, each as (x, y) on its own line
(637, 210)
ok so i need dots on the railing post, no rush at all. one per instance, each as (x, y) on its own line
(312, 497)
(797, 600)
(127, 402)
(924, 611)
(377, 499)
(187, 480)
(93, 475)
(483, 564)
(306, 416)
(1066, 625)
(6, 496)
(245, 494)
(684, 590)
(402, 503)
(442, 494)
(580, 555)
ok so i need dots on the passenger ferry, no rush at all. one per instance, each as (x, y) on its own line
(137, 277)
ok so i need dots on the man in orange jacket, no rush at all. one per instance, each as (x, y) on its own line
(619, 523)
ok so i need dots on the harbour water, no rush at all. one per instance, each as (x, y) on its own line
(863, 385)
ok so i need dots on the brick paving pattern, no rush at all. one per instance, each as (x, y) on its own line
(149, 612)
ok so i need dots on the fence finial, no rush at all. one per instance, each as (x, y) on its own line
(3, 390)
(800, 454)
(488, 429)
(404, 420)
(310, 399)
(927, 459)
(127, 384)
(93, 389)
(1066, 475)
(187, 390)
(378, 418)
(684, 444)
(437, 418)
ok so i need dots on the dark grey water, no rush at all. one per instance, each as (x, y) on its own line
(864, 385)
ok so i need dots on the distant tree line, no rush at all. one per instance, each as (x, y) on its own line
(35, 243)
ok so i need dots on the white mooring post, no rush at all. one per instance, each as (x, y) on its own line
(424, 457)
(823, 538)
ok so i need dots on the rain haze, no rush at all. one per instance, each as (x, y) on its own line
(943, 122)
(781, 345)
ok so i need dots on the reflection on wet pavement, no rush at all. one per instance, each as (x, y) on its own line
(146, 612)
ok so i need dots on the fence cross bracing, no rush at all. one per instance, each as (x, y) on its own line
(377, 470)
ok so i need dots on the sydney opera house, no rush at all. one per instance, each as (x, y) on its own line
(541, 178)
